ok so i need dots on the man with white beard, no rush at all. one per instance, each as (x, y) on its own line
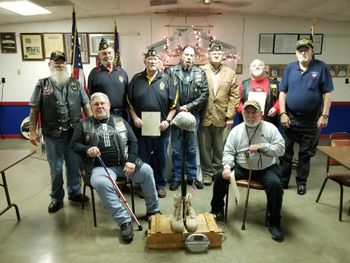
(261, 142)
(59, 100)
(259, 82)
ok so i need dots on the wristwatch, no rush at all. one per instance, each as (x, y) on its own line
(169, 121)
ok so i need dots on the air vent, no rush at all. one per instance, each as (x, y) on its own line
(162, 2)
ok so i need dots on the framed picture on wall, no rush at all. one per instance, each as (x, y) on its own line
(53, 42)
(8, 42)
(285, 43)
(266, 43)
(84, 47)
(32, 46)
(318, 42)
(239, 69)
(95, 39)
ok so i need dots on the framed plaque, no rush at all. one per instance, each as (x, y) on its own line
(95, 39)
(32, 46)
(53, 42)
(8, 42)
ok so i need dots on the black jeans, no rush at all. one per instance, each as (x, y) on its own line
(270, 179)
(303, 131)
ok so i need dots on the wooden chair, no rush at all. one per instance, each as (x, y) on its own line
(341, 178)
(253, 185)
(120, 182)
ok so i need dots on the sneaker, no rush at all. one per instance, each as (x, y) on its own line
(301, 189)
(126, 232)
(79, 198)
(161, 193)
(54, 206)
(174, 185)
(276, 233)
(198, 184)
(208, 180)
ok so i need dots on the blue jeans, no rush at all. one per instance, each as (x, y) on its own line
(178, 152)
(110, 199)
(153, 150)
(57, 152)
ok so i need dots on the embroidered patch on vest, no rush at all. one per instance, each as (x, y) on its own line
(161, 86)
(121, 79)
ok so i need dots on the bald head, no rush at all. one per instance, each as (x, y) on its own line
(257, 69)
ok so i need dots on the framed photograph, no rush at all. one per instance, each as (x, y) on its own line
(266, 43)
(285, 43)
(342, 71)
(32, 46)
(333, 69)
(8, 42)
(53, 42)
(95, 39)
(84, 47)
(239, 69)
(318, 42)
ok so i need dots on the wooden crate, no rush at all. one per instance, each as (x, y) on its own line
(160, 235)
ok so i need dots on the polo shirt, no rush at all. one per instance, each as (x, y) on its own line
(304, 89)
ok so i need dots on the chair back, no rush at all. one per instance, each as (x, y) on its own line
(337, 139)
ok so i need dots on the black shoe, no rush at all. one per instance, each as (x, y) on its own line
(126, 232)
(55, 206)
(198, 184)
(79, 198)
(174, 185)
(276, 233)
(301, 189)
(219, 216)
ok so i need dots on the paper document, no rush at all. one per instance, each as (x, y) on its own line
(259, 97)
(150, 123)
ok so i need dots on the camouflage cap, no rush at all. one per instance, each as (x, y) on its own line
(56, 55)
(304, 43)
(253, 103)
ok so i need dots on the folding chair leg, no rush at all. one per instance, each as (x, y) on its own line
(226, 204)
(321, 190)
(341, 203)
(84, 192)
(93, 206)
(266, 214)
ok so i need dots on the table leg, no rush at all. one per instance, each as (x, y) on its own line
(9, 204)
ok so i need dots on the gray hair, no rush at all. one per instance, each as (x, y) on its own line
(98, 95)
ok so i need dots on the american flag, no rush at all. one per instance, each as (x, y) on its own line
(117, 61)
(77, 65)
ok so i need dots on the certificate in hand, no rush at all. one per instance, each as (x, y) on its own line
(150, 123)
(259, 97)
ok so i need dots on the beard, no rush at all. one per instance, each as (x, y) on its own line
(257, 72)
(59, 77)
(251, 124)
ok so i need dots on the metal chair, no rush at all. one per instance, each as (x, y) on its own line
(253, 185)
(121, 181)
(341, 178)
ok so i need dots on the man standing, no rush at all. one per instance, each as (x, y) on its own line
(152, 91)
(305, 100)
(261, 142)
(110, 80)
(111, 138)
(259, 82)
(59, 99)
(218, 112)
(192, 87)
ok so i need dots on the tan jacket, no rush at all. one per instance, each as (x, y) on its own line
(221, 106)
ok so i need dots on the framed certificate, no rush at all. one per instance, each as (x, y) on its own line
(95, 39)
(84, 47)
(32, 46)
(53, 42)
(8, 42)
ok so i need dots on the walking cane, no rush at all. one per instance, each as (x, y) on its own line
(121, 196)
(249, 162)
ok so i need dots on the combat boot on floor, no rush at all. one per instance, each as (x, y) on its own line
(190, 215)
(177, 222)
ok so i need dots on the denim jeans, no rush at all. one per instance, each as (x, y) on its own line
(109, 197)
(153, 150)
(58, 151)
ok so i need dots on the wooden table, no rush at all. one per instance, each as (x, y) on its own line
(339, 153)
(9, 158)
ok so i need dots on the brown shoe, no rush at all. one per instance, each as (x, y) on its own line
(161, 193)
(207, 180)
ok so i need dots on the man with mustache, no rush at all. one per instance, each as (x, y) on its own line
(305, 99)
(263, 144)
(59, 100)
(192, 87)
(152, 91)
(110, 80)
(259, 82)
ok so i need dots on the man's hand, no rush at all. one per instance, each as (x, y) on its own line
(129, 168)
(164, 125)
(322, 122)
(34, 138)
(285, 121)
(226, 173)
(93, 152)
(137, 122)
(183, 108)
(272, 112)
(254, 148)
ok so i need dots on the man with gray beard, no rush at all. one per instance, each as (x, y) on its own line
(59, 100)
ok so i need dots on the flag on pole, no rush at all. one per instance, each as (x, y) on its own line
(76, 63)
(116, 47)
(312, 34)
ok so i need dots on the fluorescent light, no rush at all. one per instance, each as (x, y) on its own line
(24, 8)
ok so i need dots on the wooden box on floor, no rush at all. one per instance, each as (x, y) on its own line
(160, 235)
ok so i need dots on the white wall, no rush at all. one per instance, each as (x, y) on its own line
(137, 32)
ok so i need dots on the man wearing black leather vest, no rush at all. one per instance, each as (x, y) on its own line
(256, 87)
(59, 100)
(111, 138)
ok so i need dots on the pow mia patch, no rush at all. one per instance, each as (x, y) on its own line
(46, 91)
(161, 86)
(74, 87)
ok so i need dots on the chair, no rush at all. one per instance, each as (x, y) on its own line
(341, 178)
(120, 182)
(253, 185)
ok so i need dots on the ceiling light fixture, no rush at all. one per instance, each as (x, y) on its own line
(24, 8)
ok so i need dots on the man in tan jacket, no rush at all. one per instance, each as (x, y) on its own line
(217, 113)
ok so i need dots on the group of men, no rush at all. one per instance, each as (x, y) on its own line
(114, 127)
